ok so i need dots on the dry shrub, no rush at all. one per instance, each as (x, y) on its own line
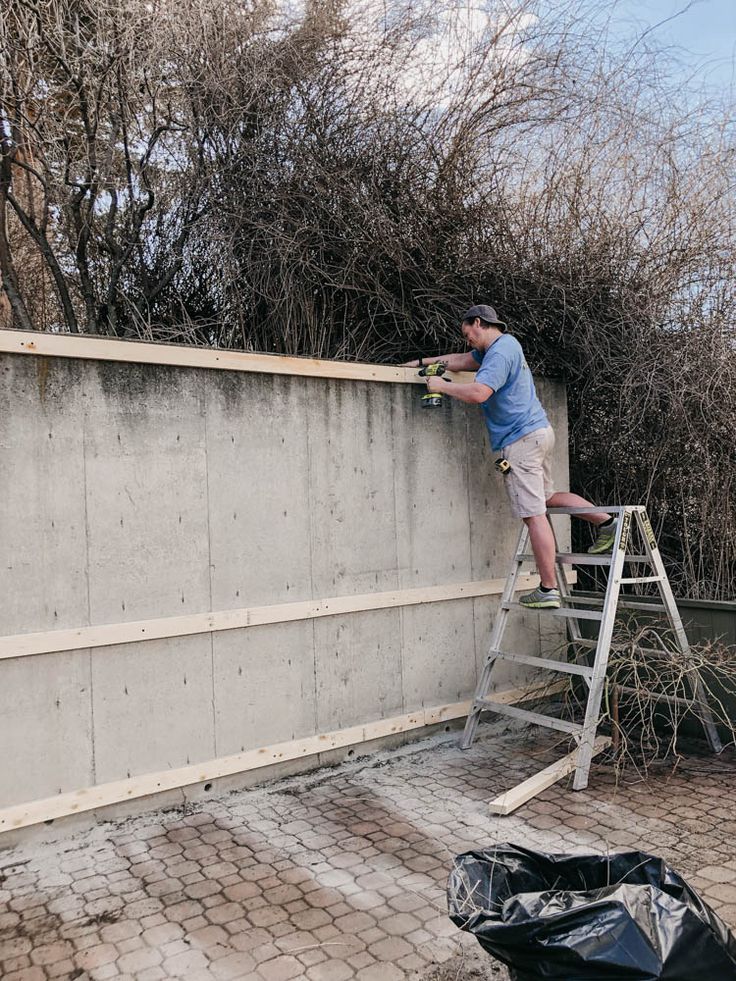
(657, 701)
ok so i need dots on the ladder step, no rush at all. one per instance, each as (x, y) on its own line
(623, 604)
(572, 558)
(563, 611)
(592, 643)
(661, 696)
(583, 558)
(599, 509)
(543, 662)
(626, 582)
(549, 721)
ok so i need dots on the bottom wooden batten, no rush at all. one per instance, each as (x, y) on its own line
(103, 795)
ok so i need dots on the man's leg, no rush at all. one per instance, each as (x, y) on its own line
(563, 499)
(546, 595)
(542, 539)
(603, 521)
(527, 486)
(543, 545)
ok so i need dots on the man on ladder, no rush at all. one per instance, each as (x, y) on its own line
(519, 429)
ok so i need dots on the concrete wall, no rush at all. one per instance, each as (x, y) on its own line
(134, 491)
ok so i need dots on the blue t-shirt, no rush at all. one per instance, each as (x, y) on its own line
(514, 409)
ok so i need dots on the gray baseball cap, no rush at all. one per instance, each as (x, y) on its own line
(485, 313)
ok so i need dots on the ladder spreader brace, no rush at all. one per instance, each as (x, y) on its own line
(589, 743)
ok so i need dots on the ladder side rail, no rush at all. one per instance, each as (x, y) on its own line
(675, 621)
(574, 630)
(600, 666)
(575, 634)
(499, 627)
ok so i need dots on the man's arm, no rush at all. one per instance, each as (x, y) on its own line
(462, 361)
(474, 393)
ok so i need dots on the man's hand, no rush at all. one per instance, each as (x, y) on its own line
(436, 385)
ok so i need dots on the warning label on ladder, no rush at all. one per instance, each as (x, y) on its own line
(648, 531)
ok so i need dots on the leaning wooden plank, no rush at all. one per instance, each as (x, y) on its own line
(102, 795)
(507, 696)
(104, 635)
(140, 352)
(514, 798)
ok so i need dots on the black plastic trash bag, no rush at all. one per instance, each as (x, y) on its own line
(625, 917)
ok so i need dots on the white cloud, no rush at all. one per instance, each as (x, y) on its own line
(431, 59)
(448, 41)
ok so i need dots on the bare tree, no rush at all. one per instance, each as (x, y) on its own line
(91, 115)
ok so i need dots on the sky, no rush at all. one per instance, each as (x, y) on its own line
(700, 34)
(704, 30)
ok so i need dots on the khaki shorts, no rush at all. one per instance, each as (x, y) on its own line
(529, 482)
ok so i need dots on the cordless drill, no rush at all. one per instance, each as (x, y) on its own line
(436, 370)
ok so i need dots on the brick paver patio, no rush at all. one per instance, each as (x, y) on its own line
(339, 874)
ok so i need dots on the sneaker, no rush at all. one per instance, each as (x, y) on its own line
(539, 600)
(604, 540)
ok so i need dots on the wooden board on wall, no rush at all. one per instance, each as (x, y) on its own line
(104, 635)
(104, 795)
(94, 348)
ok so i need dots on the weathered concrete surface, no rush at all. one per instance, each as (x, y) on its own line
(153, 707)
(46, 728)
(339, 874)
(43, 575)
(139, 491)
(259, 490)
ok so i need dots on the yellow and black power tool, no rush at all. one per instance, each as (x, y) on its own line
(436, 370)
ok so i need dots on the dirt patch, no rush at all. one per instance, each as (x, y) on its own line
(467, 967)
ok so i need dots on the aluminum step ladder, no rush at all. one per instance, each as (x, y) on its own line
(610, 602)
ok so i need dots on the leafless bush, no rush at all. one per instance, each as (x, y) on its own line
(656, 698)
(340, 182)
